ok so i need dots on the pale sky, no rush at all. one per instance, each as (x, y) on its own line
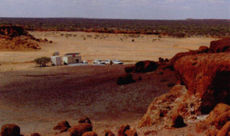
(124, 9)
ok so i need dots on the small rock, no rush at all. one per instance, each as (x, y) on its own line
(90, 133)
(62, 126)
(80, 129)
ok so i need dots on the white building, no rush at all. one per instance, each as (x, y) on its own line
(56, 60)
(71, 58)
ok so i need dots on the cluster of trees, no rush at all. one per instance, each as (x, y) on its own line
(176, 28)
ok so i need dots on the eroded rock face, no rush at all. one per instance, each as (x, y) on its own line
(206, 76)
(161, 113)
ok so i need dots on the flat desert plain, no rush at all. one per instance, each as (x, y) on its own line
(37, 98)
(127, 48)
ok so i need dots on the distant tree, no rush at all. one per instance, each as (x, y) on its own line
(42, 61)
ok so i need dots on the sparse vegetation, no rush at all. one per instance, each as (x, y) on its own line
(42, 61)
(127, 79)
(174, 28)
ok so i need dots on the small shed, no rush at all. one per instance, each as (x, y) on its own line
(71, 58)
(56, 60)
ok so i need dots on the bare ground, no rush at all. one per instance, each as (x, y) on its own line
(37, 98)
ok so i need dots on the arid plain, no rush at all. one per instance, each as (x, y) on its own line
(37, 98)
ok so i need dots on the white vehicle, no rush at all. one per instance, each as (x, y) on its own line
(117, 62)
(97, 61)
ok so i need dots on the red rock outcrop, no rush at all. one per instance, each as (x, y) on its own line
(16, 38)
(206, 76)
(222, 45)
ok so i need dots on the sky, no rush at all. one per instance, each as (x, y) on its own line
(123, 9)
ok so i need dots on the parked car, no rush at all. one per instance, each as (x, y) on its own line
(97, 61)
(117, 62)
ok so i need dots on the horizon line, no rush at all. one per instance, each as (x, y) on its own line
(112, 18)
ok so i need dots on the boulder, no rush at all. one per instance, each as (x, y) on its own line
(10, 130)
(84, 120)
(203, 49)
(109, 133)
(80, 129)
(90, 133)
(62, 126)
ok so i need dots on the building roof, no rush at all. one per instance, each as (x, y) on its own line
(71, 54)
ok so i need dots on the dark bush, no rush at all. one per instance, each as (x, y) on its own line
(129, 69)
(145, 66)
(42, 61)
(125, 80)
